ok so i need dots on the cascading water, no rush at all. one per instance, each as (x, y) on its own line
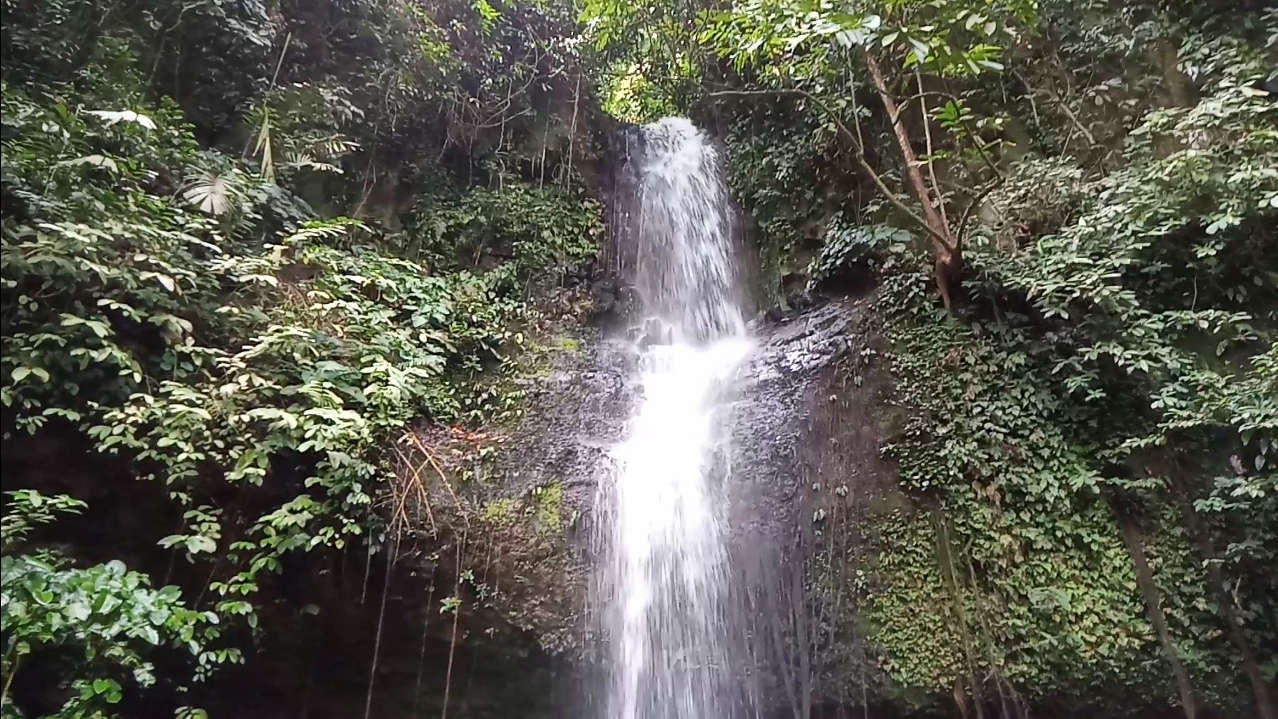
(667, 616)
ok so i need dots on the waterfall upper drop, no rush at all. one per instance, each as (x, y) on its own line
(665, 583)
(687, 268)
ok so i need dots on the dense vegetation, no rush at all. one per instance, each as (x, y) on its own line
(250, 247)
(1070, 209)
(186, 288)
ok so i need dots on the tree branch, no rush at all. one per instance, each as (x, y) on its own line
(931, 162)
(971, 207)
(940, 231)
(921, 95)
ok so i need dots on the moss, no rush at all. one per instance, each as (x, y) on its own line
(548, 507)
(544, 510)
(498, 511)
(568, 344)
(537, 361)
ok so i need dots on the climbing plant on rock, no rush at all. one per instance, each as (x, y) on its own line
(1102, 386)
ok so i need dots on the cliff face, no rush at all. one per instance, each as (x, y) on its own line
(805, 473)
(804, 481)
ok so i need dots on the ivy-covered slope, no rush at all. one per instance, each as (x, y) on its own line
(215, 354)
(1096, 434)
(1089, 443)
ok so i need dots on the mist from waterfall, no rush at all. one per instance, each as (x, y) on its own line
(666, 613)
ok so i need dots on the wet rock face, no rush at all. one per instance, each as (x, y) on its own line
(574, 415)
(797, 422)
(806, 437)
(545, 479)
(794, 347)
(768, 422)
(781, 390)
(614, 303)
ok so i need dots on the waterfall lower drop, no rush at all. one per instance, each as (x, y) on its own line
(667, 617)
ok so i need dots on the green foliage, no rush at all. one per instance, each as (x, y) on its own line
(991, 434)
(631, 97)
(911, 586)
(951, 38)
(169, 297)
(1115, 342)
(1124, 274)
(184, 312)
(102, 620)
(652, 51)
(533, 230)
(845, 245)
(300, 128)
(1127, 344)
(28, 509)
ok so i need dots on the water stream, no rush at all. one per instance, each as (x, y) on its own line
(667, 617)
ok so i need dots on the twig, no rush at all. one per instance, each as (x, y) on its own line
(1029, 95)
(421, 660)
(278, 64)
(4, 695)
(377, 639)
(452, 645)
(930, 93)
(927, 133)
(421, 491)
(572, 130)
(975, 203)
(1063, 105)
(368, 569)
(164, 39)
(430, 457)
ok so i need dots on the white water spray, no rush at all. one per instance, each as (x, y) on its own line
(667, 618)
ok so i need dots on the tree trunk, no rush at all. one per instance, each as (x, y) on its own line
(945, 557)
(1198, 535)
(949, 256)
(1149, 590)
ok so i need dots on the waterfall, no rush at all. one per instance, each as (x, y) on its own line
(667, 616)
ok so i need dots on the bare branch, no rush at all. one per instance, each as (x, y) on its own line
(972, 206)
(930, 93)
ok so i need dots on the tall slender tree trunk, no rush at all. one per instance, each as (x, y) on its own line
(945, 557)
(949, 257)
(1237, 632)
(1149, 590)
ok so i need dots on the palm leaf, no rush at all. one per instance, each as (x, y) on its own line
(263, 146)
(211, 192)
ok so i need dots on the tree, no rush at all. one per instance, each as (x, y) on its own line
(913, 55)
